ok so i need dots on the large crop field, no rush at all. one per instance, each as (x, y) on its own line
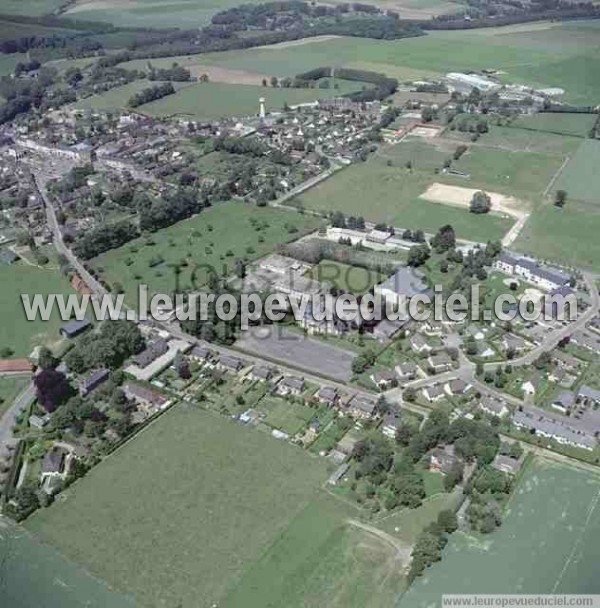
(214, 239)
(34, 574)
(193, 13)
(548, 543)
(561, 55)
(16, 332)
(179, 514)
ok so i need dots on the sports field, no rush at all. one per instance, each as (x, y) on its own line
(179, 514)
(547, 543)
(391, 194)
(581, 178)
(34, 574)
(214, 239)
(16, 332)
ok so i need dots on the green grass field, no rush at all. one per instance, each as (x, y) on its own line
(34, 574)
(321, 561)
(581, 178)
(179, 514)
(10, 388)
(32, 8)
(114, 99)
(213, 239)
(515, 139)
(547, 543)
(20, 334)
(524, 175)
(391, 194)
(542, 54)
(349, 279)
(569, 235)
(213, 100)
(564, 124)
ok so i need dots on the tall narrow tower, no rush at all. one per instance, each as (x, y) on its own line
(261, 112)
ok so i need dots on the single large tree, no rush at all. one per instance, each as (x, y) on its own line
(480, 203)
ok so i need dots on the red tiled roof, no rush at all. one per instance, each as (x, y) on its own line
(15, 365)
(78, 284)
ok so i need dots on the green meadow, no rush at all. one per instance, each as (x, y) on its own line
(16, 332)
(213, 239)
(546, 544)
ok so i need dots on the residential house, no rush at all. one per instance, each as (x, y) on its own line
(544, 277)
(327, 395)
(362, 407)
(54, 466)
(434, 393)
(440, 362)
(513, 343)
(457, 387)
(151, 353)
(443, 460)
(406, 371)
(383, 380)
(419, 344)
(229, 363)
(261, 373)
(385, 330)
(531, 386)
(493, 406)
(338, 474)
(93, 381)
(290, 385)
(564, 430)
(588, 396)
(149, 399)
(38, 422)
(200, 354)
(506, 464)
(564, 402)
(74, 328)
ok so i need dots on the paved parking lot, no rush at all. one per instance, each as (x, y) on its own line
(290, 348)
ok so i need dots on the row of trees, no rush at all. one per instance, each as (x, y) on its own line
(152, 93)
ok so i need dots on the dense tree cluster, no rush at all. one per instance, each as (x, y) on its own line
(175, 73)
(115, 342)
(428, 548)
(104, 237)
(163, 212)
